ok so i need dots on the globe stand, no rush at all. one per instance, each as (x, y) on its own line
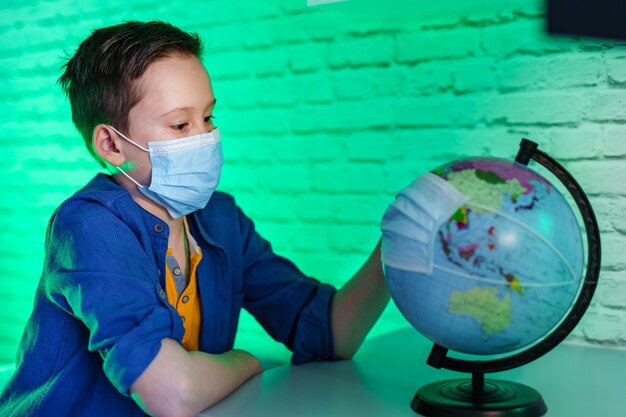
(496, 398)
(475, 397)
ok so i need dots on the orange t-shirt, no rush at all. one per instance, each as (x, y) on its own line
(187, 301)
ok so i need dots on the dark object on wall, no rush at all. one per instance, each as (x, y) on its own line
(595, 18)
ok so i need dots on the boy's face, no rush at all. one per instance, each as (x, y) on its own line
(177, 101)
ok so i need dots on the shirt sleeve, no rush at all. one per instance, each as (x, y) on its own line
(293, 308)
(100, 273)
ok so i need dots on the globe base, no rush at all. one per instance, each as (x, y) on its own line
(457, 398)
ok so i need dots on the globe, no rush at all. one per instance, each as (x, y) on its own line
(507, 265)
(485, 257)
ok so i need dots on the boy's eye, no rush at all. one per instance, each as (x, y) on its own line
(179, 126)
(207, 119)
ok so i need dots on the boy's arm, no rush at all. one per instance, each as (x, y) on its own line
(181, 383)
(357, 306)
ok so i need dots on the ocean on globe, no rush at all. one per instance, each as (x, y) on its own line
(507, 265)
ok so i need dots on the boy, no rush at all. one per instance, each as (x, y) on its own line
(146, 269)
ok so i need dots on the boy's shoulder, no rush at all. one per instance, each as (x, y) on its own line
(100, 192)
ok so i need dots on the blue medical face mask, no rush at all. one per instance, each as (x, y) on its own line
(185, 171)
(410, 224)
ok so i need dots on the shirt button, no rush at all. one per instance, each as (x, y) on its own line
(162, 293)
(182, 318)
(177, 271)
(158, 227)
(159, 272)
(185, 299)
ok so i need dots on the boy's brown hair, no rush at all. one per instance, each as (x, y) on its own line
(100, 80)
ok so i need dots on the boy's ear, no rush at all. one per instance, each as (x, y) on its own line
(105, 143)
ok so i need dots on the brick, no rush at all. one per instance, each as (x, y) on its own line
(600, 326)
(260, 9)
(427, 78)
(445, 110)
(611, 289)
(315, 89)
(564, 70)
(278, 91)
(289, 149)
(475, 74)
(427, 148)
(258, 34)
(257, 149)
(613, 137)
(420, 145)
(583, 142)
(607, 209)
(358, 178)
(523, 36)
(229, 65)
(237, 177)
(224, 38)
(231, 146)
(323, 148)
(269, 62)
(307, 57)
(37, 107)
(236, 93)
(314, 207)
(280, 234)
(497, 142)
(613, 245)
(364, 209)
(258, 121)
(542, 108)
(437, 44)
(290, 6)
(354, 238)
(605, 106)
(31, 36)
(616, 65)
(324, 26)
(291, 29)
(267, 212)
(329, 267)
(311, 237)
(600, 177)
(372, 50)
(45, 62)
(610, 217)
(17, 87)
(224, 12)
(38, 156)
(343, 116)
(617, 217)
(288, 178)
(217, 12)
(367, 83)
(370, 146)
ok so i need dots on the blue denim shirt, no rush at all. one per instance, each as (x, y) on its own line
(100, 310)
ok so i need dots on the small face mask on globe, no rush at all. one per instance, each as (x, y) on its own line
(411, 222)
(185, 171)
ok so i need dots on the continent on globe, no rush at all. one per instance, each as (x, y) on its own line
(474, 186)
(482, 303)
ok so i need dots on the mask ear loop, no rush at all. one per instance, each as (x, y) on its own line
(137, 145)
(131, 141)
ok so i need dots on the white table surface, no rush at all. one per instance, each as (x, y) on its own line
(381, 380)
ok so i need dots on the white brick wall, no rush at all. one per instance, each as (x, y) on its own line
(324, 118)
